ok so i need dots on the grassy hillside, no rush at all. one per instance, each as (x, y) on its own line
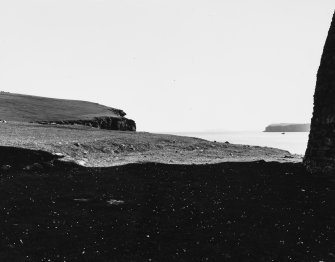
(16, 107)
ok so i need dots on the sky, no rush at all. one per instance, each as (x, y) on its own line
(171, 65)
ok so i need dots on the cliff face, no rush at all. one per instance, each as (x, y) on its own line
(109, 123)
(320, 153)
(46, 110)
(288, 128)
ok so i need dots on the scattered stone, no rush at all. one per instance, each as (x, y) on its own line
(27, 168)
(48, 164)
(115, 202)
(6, 167)
(106, 150)
(59, 154)
(77, 144)
(80, 162)
(288, 156)
(33, 167)
(37, 166)
(227, 142)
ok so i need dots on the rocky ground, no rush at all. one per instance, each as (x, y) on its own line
(251, 211)
(60, 202)
(94, 147)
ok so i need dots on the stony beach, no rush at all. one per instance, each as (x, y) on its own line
(156, 198)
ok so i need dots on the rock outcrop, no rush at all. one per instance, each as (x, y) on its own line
(20, 157)
(46, 110)
(320, 153)
(109, 123)
(288, 128)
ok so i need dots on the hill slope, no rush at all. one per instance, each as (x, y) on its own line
(25, 108)
(43, 110)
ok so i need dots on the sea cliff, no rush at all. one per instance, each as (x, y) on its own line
(109, 123)
(45, 110)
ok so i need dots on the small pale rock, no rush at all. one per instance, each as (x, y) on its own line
(80, 162)
(115, 202)
(59, 154)
(48, 164)
(35, 166)
(5, 167)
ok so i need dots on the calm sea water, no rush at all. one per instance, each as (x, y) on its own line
(295, 142)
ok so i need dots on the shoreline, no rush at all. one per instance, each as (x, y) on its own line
(254, 204)
(94, 147)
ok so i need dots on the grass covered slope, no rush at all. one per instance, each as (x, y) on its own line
(25, 108)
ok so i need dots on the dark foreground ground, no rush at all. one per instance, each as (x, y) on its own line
(253, 211)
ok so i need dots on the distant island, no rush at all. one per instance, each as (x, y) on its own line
(283, 127)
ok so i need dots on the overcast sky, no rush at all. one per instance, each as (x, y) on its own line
(172, 65)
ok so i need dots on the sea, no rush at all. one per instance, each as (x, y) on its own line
(294, 142)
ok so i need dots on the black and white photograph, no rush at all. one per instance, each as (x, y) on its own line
(167, 130)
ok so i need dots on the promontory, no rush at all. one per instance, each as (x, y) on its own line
(283, 127)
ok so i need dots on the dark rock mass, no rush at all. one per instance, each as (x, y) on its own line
(288, 128)
(320, 153)
(21, 157)
(109, 123)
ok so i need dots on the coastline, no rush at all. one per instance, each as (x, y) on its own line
(220, 202)
(94, 147)
(294, 142)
